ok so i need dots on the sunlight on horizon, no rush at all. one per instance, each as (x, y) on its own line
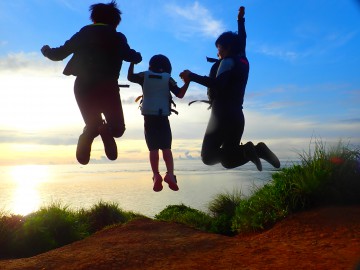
(27, 178)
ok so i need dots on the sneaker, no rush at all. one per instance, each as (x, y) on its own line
(266, 154)
(108, 141)
(251, 154)
(84, 148)
(171, 181)
(157, 179)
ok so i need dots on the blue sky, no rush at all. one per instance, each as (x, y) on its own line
(304, 78)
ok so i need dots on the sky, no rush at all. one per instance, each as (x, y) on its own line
(304, 82)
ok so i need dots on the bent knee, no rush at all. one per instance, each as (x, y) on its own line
(209, 160)
(117, 133)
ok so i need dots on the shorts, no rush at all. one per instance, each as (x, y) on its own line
(157, 132)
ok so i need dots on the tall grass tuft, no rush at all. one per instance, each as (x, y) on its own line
(105, 214)
(222, 209)
(48, 228)
(10, 225)
(186, 215)
(325, 176)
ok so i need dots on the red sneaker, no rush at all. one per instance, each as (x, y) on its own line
(157, 179)
(171, 181)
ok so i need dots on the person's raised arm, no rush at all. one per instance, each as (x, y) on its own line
(241, 29)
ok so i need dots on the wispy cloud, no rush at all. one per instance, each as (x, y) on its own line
(29, 62)
(195, 20)
(277, 52)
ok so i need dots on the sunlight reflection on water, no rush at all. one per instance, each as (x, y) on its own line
(27, 180)
(24, 189)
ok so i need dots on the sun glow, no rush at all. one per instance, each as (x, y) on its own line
(34, 103)
(28, 179)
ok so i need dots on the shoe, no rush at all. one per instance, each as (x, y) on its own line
(157, 179)
(84, 148)
(108, 141)
(251, 154)
(266, 154)
(171, 181)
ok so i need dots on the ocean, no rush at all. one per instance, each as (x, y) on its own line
(27, 188)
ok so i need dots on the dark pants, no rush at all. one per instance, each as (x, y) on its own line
(222, 138)
(97, 98)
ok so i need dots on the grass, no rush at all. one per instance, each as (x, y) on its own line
(54, 226)
(325, 176)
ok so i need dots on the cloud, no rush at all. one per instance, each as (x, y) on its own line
(194, 20)
(31, 62)
(277, 52)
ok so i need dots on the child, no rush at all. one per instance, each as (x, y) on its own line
(226, 89)
(157, 84)
(98, 52)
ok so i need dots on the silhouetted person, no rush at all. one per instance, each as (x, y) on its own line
(98, 52)
(226, 89)
(157, 84)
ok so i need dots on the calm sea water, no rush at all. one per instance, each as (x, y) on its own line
(25, 189)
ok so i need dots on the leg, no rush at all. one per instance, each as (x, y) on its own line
(234, 154)
(170, 178)
(169, 161)
(150, 138)
(154, 161)
(211, 152)
(86, 101)
(102, 95)
(112, 109)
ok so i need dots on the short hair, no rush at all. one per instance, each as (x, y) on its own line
(106, 13)
(230, 41)
(160, 63)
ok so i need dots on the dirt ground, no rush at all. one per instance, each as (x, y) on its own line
(325, 238)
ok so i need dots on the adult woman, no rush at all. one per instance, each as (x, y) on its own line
(226, 88)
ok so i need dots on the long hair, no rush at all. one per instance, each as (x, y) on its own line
(106, 13)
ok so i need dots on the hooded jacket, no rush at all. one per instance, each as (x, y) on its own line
(98, 52)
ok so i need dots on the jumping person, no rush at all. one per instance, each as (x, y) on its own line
(157, 84)
(98, 52)
(226, 89)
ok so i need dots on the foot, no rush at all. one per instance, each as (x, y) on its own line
(108, 141)
(157, 179)
(170, 179)
(251, 154)
(84, 148)
(266, 154)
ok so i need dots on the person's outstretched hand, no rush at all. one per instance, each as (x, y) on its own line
(44, 49)
(185, 75)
